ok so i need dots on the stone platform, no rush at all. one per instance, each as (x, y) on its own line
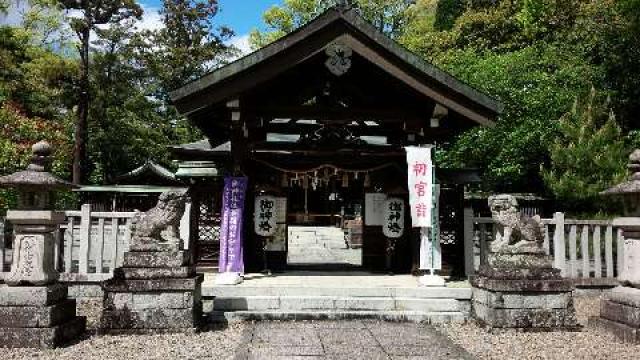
(316, 295)
(620, 313)
(155, 292)
(38, 317)
(531, 295)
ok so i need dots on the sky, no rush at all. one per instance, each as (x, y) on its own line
(240, 15)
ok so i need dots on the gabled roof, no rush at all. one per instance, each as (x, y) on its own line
(150, 170)
(421, 70)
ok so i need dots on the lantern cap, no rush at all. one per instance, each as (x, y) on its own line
(36, 177)
(631, 186)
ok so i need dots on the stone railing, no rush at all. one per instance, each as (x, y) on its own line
(94, 243)
(589, 251)
(90, 244)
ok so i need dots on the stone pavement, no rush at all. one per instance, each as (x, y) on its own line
(364, 339)
(320, 245)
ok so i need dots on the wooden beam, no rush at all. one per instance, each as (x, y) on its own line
(347, 114)
(355, 130)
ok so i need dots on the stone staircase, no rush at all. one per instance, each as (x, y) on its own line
(309, 245)
(433, 305)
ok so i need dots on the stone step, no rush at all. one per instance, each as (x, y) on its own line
(410, 316)
(338, 303)
(396, 292)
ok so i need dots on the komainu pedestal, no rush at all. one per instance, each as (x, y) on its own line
(157, 289)
(518, 287)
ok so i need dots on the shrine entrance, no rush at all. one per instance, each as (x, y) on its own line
(319, 120)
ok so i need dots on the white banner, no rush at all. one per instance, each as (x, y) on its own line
(420, 175)
(374, 209)
(393, 218)
(430, 249)
(265, 215)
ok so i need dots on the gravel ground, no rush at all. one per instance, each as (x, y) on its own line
(221, 343)
(590, 343)
(217, 343)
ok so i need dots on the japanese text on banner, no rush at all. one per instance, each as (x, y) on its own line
(420, 175)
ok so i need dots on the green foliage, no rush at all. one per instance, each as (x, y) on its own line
(535, 84)
(447, 12)
(32, 96)
(188, 45)
(588, 156)
(390, 16)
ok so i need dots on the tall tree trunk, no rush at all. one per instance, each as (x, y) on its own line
(80, 160)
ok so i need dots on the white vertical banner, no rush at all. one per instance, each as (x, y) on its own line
(430, 249)
(420, 175)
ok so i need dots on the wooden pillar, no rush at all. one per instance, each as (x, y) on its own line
(469, 267)
(238, 141)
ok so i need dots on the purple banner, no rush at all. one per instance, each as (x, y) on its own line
(231, 256)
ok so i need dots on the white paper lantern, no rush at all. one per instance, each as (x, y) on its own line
(393, 221)
(265, 215)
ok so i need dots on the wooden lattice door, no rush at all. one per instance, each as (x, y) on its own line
(208, 228)
(451, 229)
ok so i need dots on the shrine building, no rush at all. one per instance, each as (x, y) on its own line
(319, 119)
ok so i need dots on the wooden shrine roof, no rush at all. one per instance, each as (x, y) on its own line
(231, 81)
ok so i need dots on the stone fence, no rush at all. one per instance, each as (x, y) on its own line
(90, 244)
(588, 251)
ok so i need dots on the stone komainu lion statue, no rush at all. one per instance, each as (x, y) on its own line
(518, 232)
(160, 224)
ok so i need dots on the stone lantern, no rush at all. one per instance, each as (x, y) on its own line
(34, 220)
(34, 309)
(620, 312)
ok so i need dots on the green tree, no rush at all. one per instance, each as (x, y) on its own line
(129, 124)
(92, 14)
(588, 156)
(132, 119)
(34, 104)
(188, 45)
(389, 16)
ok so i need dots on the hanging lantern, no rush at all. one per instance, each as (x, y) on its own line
(305, 182)
(345, 180)
(393, 226)
(355, 177)
(285, 180)
(367, 180)
(265, 215)
(335, 172)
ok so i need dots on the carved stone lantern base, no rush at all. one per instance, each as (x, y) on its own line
(38, 317)
(523, 291)
(33, 259)
(154, 292)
